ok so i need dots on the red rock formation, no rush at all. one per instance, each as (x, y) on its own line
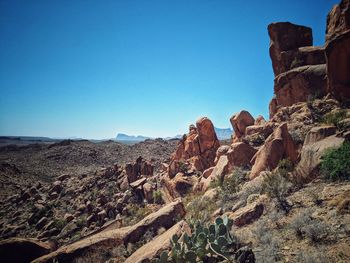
(198, 148)
(338, 50)
(338, 20)
(298, 84)
(240, 121)
(285, 36)
(140, 167)
(279, 145)
(299, 68)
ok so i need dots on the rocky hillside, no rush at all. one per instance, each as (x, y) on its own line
(278, 192)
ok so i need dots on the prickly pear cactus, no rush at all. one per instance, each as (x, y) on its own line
(213, 242)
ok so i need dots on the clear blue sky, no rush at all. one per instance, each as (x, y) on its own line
(95, 68)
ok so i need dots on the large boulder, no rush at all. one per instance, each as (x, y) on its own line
(240, 121)
(240, 154)
(247, 214)
(318, 133)
(311, 156)
(198, 148)
(22, 250)
(285, 36)
(161, 243)
(298, 84)
(179, 185)
(279, 145)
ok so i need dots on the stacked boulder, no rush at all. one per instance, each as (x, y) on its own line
(299, 67)
(338, 50)
(197, 149)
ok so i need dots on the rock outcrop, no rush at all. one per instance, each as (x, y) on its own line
(299, 67)
(285, 36)
(140, 167)
(198, 148)
(311, 154)
(279, 145)
(338, 50)
(240, 122)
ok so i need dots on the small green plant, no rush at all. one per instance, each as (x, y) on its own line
(284, 167)
(335, 118)
(335, 163)
(60, 223)
(158, 197)
(136, 213)
(183, 167)
(199, 207)
(206, 244)
(277, 186)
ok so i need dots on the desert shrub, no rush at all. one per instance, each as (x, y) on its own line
(199, 208)
(59, 223)
(341, 202)
(230, 187)
(211, 243)
(305, 226)
(335, 118)
(285, 166)
(335, 164)
(299, 221)
(277, 186)
(232, 184)
(267, 243)
(298, 136)
(308, 256)
(81, 222)
(314, 196)
(183, 167)
(158, 197)
(135, 214)
(316, 231)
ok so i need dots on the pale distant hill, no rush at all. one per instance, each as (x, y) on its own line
(222, 134)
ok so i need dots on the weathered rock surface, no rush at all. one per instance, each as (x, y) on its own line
(22, 250)
(298, 84)
(240, 154)
(338, 20)
(285, 36)
(240, 121)
(310, 156)
(279, 145)
(319, 133)
(154, 248)
(108, 238)
(247, 214)
(198, 148)
(338, 66)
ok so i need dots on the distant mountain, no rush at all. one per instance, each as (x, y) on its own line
(222, 134)
(125, 137)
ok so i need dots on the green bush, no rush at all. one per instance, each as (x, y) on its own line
(276, 186)
(335, 163)
(335, 118)
(158, 197)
